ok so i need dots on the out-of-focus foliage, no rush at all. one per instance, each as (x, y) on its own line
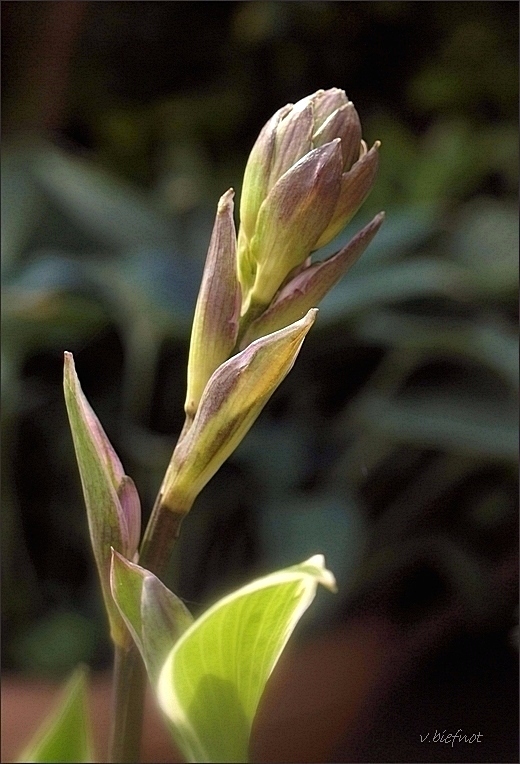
(392, 445)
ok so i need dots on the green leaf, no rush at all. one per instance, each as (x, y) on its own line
(154, 615)
(212, 681)
(65, 734)
(104, 207)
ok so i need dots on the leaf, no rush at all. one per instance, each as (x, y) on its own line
(100, 204)
(397, 282)
(22, 205)
(65, 734)
(154, 615)
(212, 681)
(442, 421)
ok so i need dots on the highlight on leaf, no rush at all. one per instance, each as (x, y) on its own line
(214, 676)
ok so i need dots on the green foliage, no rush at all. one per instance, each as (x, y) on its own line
(65, 734)
(215, 674)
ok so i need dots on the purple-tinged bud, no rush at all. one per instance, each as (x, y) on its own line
(113, 507)
(356, 184)
(297, 209)
(343, 123)
(282, 218)
(215, 323)
(232, 400)
(310, 285)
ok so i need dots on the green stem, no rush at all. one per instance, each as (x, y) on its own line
(129, 682)
(129, 686)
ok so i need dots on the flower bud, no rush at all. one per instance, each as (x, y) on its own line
(310, 284)
(292, 217)
(215, 323)
(355, 187)
(307, 175)
(232, 400)
(257, 173)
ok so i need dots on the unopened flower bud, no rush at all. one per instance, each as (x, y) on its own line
(215, 323)
(232, 400)
(355, 187)
(310, 284)
(296, 210)
(307, 175)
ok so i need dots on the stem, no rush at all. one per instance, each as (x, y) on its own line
(129, 686)
(129, 680)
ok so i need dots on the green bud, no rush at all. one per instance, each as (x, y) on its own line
(232, 400)
(310, 284)
(292, 217)
(111, 499)
(155, 617)
(215, 323)
(258, 170)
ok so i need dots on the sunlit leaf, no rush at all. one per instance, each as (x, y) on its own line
(212, 681)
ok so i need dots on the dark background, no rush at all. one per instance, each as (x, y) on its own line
(392, 445)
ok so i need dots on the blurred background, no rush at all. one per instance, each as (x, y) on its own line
(391, 447)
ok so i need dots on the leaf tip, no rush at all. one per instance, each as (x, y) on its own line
(323, 575)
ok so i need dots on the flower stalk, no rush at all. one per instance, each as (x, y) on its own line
(308, 173)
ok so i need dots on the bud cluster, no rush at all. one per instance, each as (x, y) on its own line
(308, 173)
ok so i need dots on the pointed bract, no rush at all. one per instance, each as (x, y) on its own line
(155, 617)
(113, 508)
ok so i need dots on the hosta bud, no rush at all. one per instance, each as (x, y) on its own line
(215, 323)
(111, 499)
(232, 400)
(310, 284)
(355, 187)
(306, 176)
(297, 209)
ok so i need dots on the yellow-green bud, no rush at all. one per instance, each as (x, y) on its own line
(232, 400)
